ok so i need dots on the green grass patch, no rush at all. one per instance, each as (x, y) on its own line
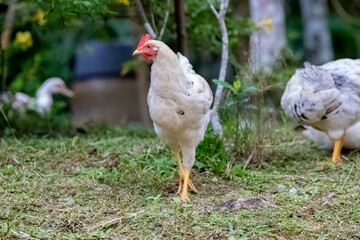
(117, 183)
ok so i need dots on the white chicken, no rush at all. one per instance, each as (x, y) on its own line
(326, 98)
(43, 101)
(322, 140)
(179, 104)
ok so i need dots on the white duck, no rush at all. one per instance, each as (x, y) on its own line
(43, 100)
(326, 98)
(322, 140)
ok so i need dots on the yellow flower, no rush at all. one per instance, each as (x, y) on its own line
(39, 17)
(125, 2)
(267, 23)
(23, 40)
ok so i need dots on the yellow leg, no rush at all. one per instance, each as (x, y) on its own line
(337, 150)
(181, 171)
(181, 174)
(184, 195)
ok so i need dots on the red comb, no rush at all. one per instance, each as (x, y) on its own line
(143, 40)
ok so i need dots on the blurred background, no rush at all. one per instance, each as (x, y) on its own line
(89, 44)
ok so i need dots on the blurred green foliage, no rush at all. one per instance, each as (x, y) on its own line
(46, 34)
(54, 124)
(55, 28)
(58, 26)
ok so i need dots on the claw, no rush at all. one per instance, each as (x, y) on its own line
(192, 187)
(180, 187)
(185, 181)
(185, 199)
(190, 184)
(184, 194)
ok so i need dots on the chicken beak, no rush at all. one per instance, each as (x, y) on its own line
(136, 52)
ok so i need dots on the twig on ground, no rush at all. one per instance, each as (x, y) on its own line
(105, 223)
(15, 160)
(327, 198)
(347, 159)
(249, 159)
(22, 235)
(347, 178)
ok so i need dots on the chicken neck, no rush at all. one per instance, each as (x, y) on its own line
(167, 76)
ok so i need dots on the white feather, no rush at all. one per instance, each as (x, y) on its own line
(326, 97)
(322, 140)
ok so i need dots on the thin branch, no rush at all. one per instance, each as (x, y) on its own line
(224, 60)
(213, 9)
(147, 25)
(153, 22)
(165, 20)
(345, 15)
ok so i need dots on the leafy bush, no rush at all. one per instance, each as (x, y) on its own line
(211, 154)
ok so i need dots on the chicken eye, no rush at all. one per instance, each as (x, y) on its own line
(148, 46)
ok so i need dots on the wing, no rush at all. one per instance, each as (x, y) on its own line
(22, 101)
(22, 97)
(197, 84)
(311, 96)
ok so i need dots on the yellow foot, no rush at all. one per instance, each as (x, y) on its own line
(337, 161)
(184, 195)
(184, 198)
(182, 174)
(181, 184)
(337, 150)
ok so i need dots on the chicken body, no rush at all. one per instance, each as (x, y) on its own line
(322, 140)
(179, 104)
(326, 98)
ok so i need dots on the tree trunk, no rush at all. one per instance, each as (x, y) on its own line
(5, 38)
(269, 38)
(317, 39)
(143, 84)
(181, 27)
(8, 24)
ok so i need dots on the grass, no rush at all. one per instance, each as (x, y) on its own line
(114, 183)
